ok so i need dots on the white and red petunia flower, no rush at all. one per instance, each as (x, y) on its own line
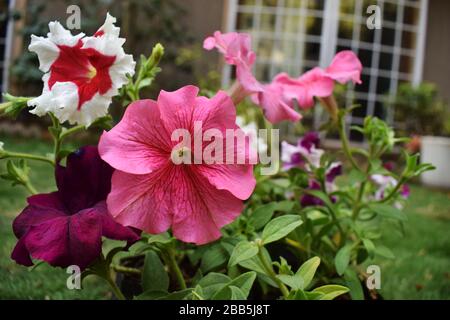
(82, 74)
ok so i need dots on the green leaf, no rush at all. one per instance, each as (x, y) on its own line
(370, 247)
(212, 283)
(154, 275)
(354, 284)
(307, 271)
(151, 295)
(263, 214)
(244, 282)
(384, 252)
(244, 250)
(295, 282)
(237, 294)
(331, 291)
(162, 238)
(213, 278)
(280, 227)
(342, 259)
(177, 295)
(214, 257)
(388, 211)
(356, 176)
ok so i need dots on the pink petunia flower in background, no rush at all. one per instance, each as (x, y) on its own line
(151, 190)
(66, 227)
(277, 98)
(237, 50)
(82, 74)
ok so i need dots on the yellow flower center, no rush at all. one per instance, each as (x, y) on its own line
(92, 72)
(181, 155)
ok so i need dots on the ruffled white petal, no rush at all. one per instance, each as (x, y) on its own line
(62, 37)
(62, 101)
(108, 27)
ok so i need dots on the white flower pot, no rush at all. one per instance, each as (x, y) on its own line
(436, 150)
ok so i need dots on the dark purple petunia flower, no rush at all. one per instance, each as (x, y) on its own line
(333, 171)
(66, 227)
(309, 200)
(305, 151)
(309, 140)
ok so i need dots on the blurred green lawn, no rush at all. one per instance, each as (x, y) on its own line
(421, 269)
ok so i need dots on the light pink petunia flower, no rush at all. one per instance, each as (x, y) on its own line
(277, 98)
(153, 193)
(236, 48)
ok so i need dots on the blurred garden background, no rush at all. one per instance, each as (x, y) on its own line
(406, 81)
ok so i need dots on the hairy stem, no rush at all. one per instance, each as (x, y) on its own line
(114, 287)
(272, 274)
(28, 156)
(174, 268)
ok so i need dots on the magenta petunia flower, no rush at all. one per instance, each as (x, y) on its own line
(151, 190)
(66, 227)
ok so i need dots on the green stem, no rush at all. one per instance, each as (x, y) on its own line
(272, 274)
(357, 207)
(28, 156)
(394, 191)
(114, 287)
(127, 270)
(30, 187)
(345, 143)
(173, 266)
(70, 131)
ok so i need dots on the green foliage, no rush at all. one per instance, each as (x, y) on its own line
(420, 110)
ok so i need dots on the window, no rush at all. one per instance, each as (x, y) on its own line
(296, 35)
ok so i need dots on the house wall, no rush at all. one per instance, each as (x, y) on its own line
(203, 17)
(437, 53)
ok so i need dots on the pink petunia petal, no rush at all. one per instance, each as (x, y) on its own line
(345, 67)
(140, 143)
(247, 79)
(275, 105)
(147, 207)
(202, 210)
(176, 108)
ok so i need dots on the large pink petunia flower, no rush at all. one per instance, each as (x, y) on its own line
(66, 227)
(82, 74)
(153, 193)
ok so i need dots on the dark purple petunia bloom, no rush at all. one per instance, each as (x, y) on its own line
(333, 171)
(309, 200)
(66, 227)
(306, 151)
(309, 140)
